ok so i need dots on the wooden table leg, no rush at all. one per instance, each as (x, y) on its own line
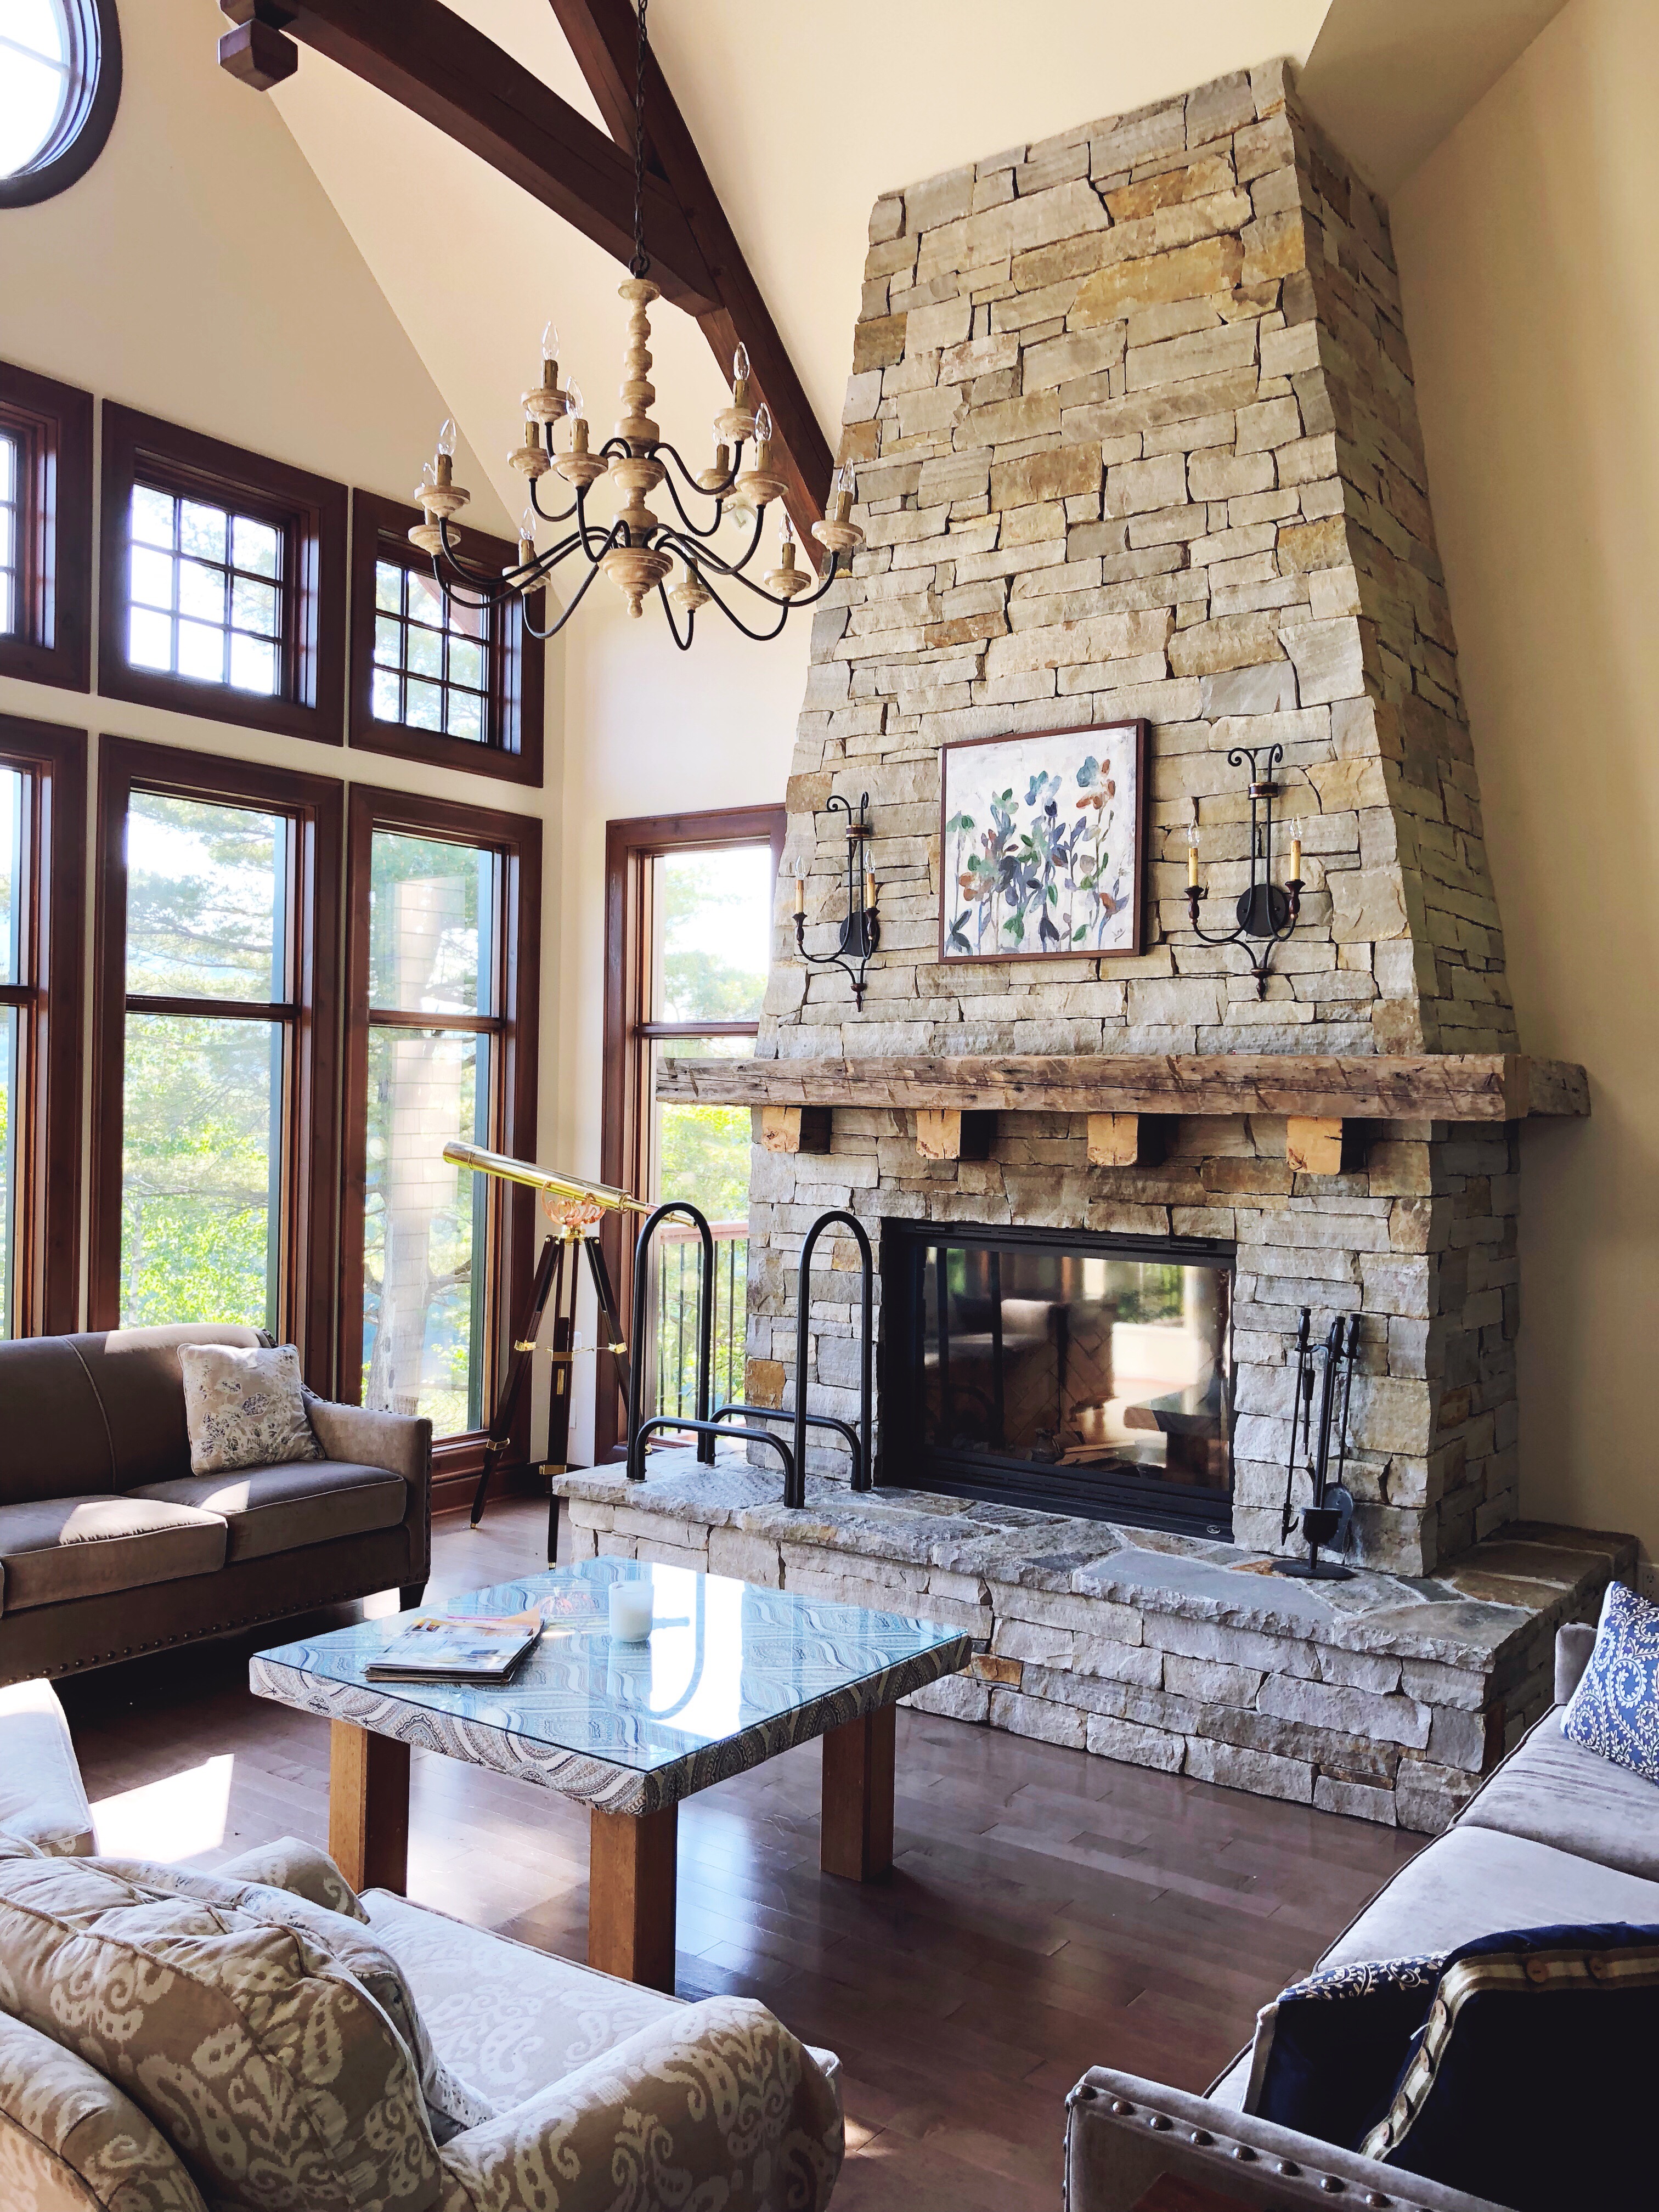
(368, 1807)
(856, 1831)
(632, 1869)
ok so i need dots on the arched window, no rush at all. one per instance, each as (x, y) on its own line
(60, 81)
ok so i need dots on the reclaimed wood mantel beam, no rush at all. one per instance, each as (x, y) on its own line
(432, 62)
(1434, 1087)
(604, 36)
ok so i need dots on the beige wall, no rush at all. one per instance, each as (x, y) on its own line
(1528, 245)
(199, 272)
(661, 732)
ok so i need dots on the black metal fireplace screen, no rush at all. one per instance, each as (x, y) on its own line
(1061, 1370)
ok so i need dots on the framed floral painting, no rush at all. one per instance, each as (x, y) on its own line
(1042, 845)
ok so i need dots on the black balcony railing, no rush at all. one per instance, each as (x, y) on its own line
(675, 1256)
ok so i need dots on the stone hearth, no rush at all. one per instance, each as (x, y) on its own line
(1387, 1697)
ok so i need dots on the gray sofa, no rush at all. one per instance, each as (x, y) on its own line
(109, 1545)
(1556, 1835)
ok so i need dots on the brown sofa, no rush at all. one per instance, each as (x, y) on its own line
(109, 1545)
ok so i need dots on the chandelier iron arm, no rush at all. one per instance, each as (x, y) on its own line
(577, 596)
(683, 643)
(564, 513)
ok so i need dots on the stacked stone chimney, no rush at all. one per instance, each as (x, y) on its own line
(1133, 418)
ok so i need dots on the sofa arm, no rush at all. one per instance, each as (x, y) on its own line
(1122, 2134)
(719, 2093)
(401, 1443)
(1573, 1644)
(42, 1797)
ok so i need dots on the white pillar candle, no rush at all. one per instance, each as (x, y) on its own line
(630, 1611)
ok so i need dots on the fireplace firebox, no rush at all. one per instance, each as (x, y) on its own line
(1073, 1372)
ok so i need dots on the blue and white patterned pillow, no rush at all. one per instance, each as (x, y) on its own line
(1615, 1709)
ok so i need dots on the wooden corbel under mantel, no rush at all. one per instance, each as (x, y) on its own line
(434, 62)
(1130, 1099)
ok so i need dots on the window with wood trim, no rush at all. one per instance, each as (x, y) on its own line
(435, 675)
(219, 938)
(224, 581)
(443, 962)
(689, 908)
(42, 872)
(45, 530)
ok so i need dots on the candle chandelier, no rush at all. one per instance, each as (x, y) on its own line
(636, 551)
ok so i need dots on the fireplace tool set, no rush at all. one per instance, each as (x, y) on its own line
(707, 1426)
(1327, 1523)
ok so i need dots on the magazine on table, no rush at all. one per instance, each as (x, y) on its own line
(448, 1648)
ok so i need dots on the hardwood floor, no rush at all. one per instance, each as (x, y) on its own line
(1047, 1912)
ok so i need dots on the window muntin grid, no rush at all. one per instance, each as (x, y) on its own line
(11, 522)
(206, 591)
(431, 661)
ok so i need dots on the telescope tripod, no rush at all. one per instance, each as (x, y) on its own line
(557, 1278)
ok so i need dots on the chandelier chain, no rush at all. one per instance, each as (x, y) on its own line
(641, 262)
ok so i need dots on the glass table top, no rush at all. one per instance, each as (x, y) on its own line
(729, 1676)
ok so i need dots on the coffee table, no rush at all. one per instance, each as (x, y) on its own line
(731, 1675)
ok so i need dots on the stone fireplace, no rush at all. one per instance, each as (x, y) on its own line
(1132, 419)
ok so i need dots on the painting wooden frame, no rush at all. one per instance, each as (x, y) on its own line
(1092, 759)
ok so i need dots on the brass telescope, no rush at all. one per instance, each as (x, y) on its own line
(556, 1186)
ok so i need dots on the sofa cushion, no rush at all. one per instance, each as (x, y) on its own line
(508, 2018)
(273, 2073)
(1614, 1712)
(451, 2102)
(88, 1546)
(1476, 1882)
(244, 1407)
(135, 1374)
(1558, 1792)
(303, 1869)
(55, 1440)
(1329, 2050)
(1532, 2061)
(69, 2137)
(279, 1509)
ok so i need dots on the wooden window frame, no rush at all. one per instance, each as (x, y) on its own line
(625, 1110)
(311, 513)
(52, 424)
(456, 1461)
(316, 807)
(512, 748)
(48, 1262)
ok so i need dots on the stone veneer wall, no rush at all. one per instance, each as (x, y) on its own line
(1132, 416)
(1132, 419)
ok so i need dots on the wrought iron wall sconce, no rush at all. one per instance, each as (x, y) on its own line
(860, 932)
(1265, 914)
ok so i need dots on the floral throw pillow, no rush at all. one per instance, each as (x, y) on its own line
(1615, 1709)
(244, 1407)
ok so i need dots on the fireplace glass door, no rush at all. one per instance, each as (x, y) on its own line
(1075, 1373)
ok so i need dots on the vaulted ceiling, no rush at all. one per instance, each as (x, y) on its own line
(803, 116)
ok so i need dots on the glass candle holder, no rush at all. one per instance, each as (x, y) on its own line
(630, 1611)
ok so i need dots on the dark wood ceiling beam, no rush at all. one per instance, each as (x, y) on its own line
(604, 36)
(432, 62)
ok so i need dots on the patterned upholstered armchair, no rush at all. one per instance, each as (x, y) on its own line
(261, 2039)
